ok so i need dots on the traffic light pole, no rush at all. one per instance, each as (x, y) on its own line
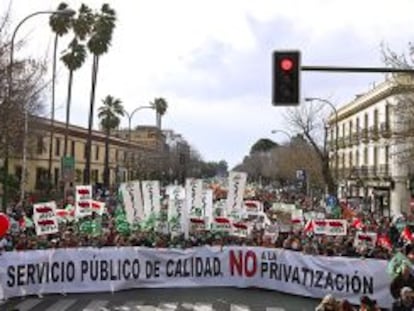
(357, 69)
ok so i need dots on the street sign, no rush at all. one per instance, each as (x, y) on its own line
(68, 168)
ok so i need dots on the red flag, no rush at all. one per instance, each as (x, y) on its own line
(384, 241)
(357, 223)
(309, 226)
(406, 235)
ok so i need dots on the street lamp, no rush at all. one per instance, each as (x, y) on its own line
(325, 101)
(67, 12)
(130, 116)
(283, 132)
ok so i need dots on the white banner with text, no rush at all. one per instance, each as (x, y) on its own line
(111, 269)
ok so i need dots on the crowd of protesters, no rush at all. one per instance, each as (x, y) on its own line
(22, 237)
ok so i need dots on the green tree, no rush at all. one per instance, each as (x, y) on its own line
(109, 114)
(98, 44)
(60, 25)
(263, 145)
(160, 106)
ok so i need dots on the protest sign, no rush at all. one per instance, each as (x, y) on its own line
(44, 217)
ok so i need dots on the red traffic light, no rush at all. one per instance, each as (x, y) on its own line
(286, 64)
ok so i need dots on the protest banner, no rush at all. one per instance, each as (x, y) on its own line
(44, 218)
(104, 269)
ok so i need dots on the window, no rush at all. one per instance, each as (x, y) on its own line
(376, 119)
(41, 178)
(357, 125)
(387, 155)
(40, 145)
(357, 158)
(72, 148)
(95, 176)
(375, 156)
(366, 121)
(351, 160)
(343, 130)
(57, 147)
(56, 176)
(97, 153)
(366, 156)
(387, 115)
(85, 150)
(116, 155)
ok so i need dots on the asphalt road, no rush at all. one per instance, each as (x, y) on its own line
(200, 299)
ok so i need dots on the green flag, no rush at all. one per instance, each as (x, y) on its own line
(397, 263)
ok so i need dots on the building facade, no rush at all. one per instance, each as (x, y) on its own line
(123, 154)
(364, 152)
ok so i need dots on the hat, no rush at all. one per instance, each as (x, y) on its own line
(405, 290)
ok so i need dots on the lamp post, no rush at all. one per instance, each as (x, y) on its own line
(26, 113)
(283, 132)
(130, 116)
(325, 101)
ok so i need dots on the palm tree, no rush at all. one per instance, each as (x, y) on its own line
(160, 106)
(75, 57)
(60, 25)
(109, 114)
(98, 44)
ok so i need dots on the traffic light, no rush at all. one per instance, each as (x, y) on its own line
(286, 78)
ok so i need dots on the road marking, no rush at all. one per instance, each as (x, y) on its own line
(61, 305)
(188, 306)
(275, 309)
(203, 307)
(28, 304)
(96, 305)
(146, 308)
(239, 308)
(168, 306)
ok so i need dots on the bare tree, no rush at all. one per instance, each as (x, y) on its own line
(309, 120)
(401, 107)
(28, 85)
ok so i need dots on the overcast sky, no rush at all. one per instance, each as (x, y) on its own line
(211, 60)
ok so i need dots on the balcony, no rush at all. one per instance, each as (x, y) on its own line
(348, 141)
(363, 136)
(341, 142)
(383, 171)
(372, 171)
(373, 133)
(363, 171)
(385, 131)
(355, 139)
